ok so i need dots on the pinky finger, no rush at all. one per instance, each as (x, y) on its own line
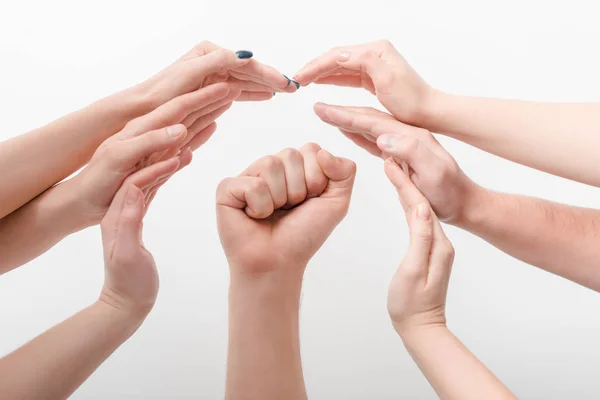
(150, 175)
(255, 96)
(202, 137)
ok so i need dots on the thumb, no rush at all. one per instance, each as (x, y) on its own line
(128, 237)
(368, 62)
(340, 171)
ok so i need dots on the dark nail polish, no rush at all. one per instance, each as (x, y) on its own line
(244, 54)
(289, 80)
(274, 94)
(297, 84)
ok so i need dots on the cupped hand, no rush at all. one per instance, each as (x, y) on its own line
(378, 68)
(131, 278)
(432, 169)
(173, 130)
(417, 293)
(207, 64)
(279, 212)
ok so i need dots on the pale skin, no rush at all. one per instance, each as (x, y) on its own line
(53, 365)
(65, 145)
(169, 134)
(417, 303)
(562, 139)
(269, 231)
(558, 238)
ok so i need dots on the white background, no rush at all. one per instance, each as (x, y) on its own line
(537, 332)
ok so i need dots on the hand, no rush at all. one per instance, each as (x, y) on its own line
(417, 294)
(131, 279)
(378, 68)
(432, 169)
(279, 212)
(207, 64)
(144, 141)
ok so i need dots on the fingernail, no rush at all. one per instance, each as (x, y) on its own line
(175, 130)
(423, 211)
(243, 54)
(289, 80)
(132, 195)
(388, 141)
(295, 83)
(344, 56)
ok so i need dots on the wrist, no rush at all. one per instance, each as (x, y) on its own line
(412, 332)
(474, 209)
(121, 320)
(283, 283)
(128, 310)
(434, 109)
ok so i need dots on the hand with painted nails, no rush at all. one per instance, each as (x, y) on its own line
(378, 68)
(164, 138)
(207, 64)
(417, 304)
(278, 212)
(435, 172)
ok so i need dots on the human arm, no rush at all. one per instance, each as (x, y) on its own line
(417, 304)
(558, 238)
(65, 145)
(272, 219)
(561, 139)
(53, 365)
(83, 200)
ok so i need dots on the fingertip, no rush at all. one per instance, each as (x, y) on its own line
(343, 56)
(176, 132)
(244, 54)
(387, 142)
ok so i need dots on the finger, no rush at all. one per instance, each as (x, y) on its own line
(264, 73)
(340, 172)
(203, 122)
(241, 77)
(410, 150)
(133, 150)
(318, 67)
(360, 141)
(442, 257)
(316, 180)
(408, 194)
(255, 96)
(416, 261)
(232, 96)
(200, 50)
(272, 171)
(247, 193)
(217, 61)
(185, 159)
(129, 230)
(175, 111)
(150, 175)
(293, 165)
(369, 62)
(202, 137)
(354, 81)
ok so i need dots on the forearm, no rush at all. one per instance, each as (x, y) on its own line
(562, 139)
(264, 347)
(33, 162)
(40, 224)
(56, 363)
(557, 238)
(451, 369)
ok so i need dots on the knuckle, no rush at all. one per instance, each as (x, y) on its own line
(311, 147)
(270, 162)
(258, 185)
(223, 186)
(408, 144)
(385, 43)
(291, 154)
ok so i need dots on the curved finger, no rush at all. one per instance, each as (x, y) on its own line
(255, 96)
(410, 150)
(315, 178)
(293, 165)
(408, 193)
(266, 87)
(150, 175)
(360, 141)
(272, 171)
(417, 259)
(247, 193)
(264, 73)
(202, 137)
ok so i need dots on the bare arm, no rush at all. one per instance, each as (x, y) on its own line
(451, 369)
(264, 345)
(417, 304)
(33, 162)
(561, 139)
(56, 363)
(559, 238)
